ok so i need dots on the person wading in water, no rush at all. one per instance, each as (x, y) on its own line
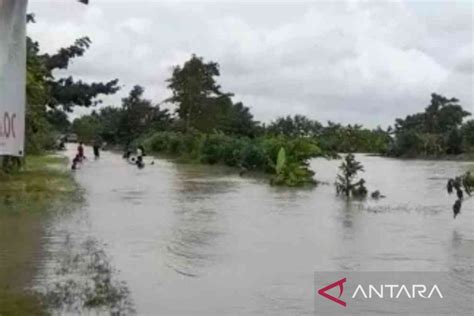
(75, 162)
(96, 148)
(457, 207)
(80, 151)
(140, 154)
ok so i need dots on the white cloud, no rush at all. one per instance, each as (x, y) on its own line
(353, 61)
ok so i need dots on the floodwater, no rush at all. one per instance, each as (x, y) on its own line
(198, 240)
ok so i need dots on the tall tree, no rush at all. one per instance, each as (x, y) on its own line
(139, 115)
(201, 103)
(48, 95)
(296, 126)
(435, 131)
(110, 118)
(192, 86)
(468, 135)
(67, 92)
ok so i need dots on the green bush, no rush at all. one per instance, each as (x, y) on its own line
(258, 154)
(213, 148)
(253, 157)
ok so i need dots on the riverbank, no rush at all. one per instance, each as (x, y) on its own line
(27, 196)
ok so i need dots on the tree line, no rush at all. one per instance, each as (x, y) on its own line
(201, 107)
(437, 131)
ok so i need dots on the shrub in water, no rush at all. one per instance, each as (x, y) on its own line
(252, 154)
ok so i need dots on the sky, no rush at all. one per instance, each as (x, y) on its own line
(365, 62)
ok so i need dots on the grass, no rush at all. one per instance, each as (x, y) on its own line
(19, 303)
(43, 179)
(26, 197)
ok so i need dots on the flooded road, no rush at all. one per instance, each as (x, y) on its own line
(200, 240)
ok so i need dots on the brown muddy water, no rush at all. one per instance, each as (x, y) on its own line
(177, 239)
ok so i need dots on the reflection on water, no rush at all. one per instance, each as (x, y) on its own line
(84, 280)
(196, 226)
(199, 240)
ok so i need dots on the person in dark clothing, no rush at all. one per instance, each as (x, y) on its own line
(62, 144)
(96, 151)
(127, 153)
(75, 162)
(96, 148)
(466, 183)
(80, 151)
(140, 154)
(459, 194)
(457, 208)
(450, 186)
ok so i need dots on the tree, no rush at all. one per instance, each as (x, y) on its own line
(202, 105)
(337, 138)
(110, 118)
(239, 121)
(139, 115)
(344, 183)
(222, 115)
(192, 86)
(37, 127)
(454, 141)
(87, 128)
(48, 96)
(467, 131)
(66, 92)
(123, 125)
(59, 120)
(296, 126)
(435, 131)
(443, 114)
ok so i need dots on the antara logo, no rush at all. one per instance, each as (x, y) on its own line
(392, 291)
(397, 291)
(337, 300)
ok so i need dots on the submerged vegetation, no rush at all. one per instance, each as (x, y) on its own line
(86, 281)
(345, 184)
(292, 172)
(248, 154)
(463, 185)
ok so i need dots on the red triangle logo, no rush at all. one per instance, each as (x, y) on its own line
(337, 300)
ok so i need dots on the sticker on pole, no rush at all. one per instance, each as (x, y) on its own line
(12, 76)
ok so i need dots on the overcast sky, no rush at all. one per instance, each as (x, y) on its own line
(346, 61)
